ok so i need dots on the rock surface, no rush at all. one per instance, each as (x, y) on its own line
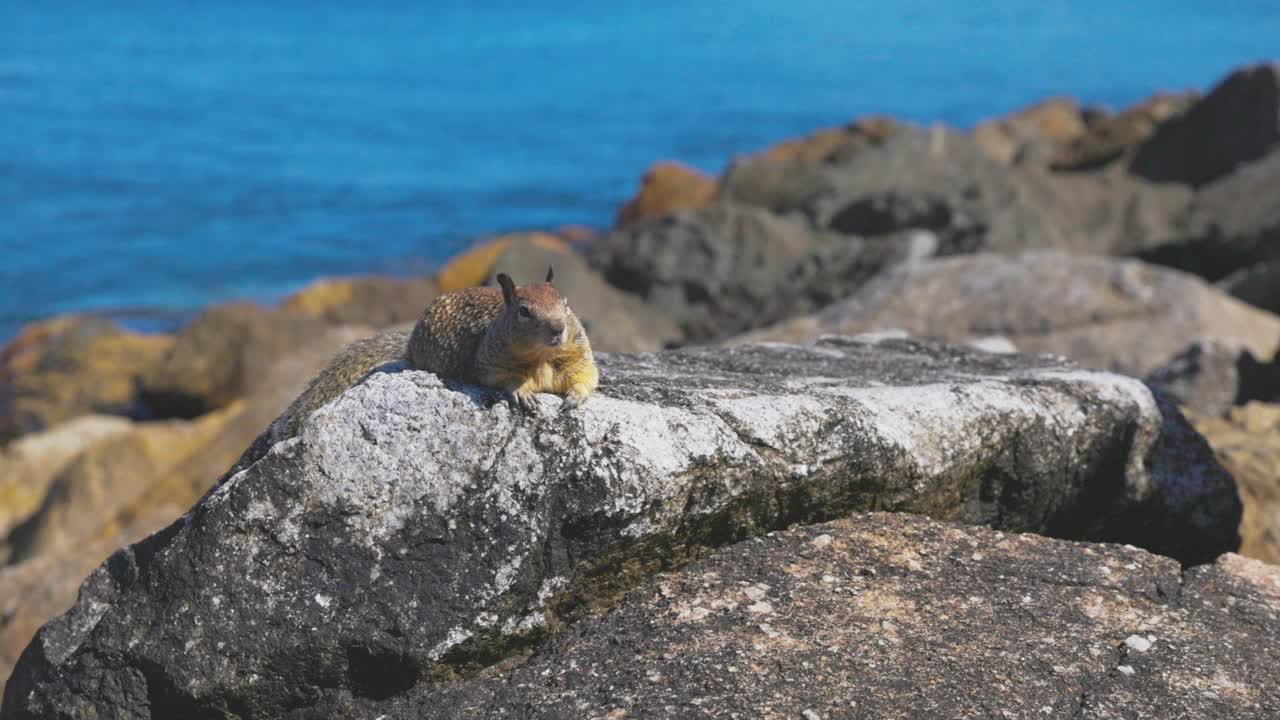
(374, 301)
(81, 502)
(69, 366)
(1211, 377)
(666, 188)
(730, 268)
(942, 181)
(1055, 122)
(1232, 225)
(895, 616)
(1237, 122)
(30, 463)
(1119, 315)
(221, 355)
(1108, 137)
(415, 531)
(113, 481)
(476, 266)
(46, 586)
(1247, 441)
(1257, 284)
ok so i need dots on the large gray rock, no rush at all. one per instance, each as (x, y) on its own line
(1237, 122)
(1211, 377)
(1120, 315)
(1231, 227)
(414, 531)
(896, 616)
(729, 268)
(942, 181)
(1257, 284)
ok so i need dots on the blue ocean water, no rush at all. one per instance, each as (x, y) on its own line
(158, 156)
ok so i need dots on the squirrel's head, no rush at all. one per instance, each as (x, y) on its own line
(536, 316)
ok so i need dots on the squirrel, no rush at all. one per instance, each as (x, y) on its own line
(522, 340)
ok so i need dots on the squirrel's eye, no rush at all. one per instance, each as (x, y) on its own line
(525, 312)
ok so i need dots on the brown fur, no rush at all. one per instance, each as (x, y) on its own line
(477, 335)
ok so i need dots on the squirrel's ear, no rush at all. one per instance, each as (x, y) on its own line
(508, 288)
(551, 272)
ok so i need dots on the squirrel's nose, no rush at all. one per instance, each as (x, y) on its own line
(558, 336)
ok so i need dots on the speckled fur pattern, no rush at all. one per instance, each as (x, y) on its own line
(447, 337)
(473, 336)
(476, 337)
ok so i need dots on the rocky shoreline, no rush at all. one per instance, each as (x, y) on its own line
(1097, 275)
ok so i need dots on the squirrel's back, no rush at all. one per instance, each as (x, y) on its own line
(452, 327)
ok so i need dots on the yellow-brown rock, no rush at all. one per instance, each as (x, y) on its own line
(222, 355)
(577, 236)
(829, 144)
(82, 501)
(69, 366)
(29, 463)
(667, 187)
(1055, 121)
(373, 300)
(1247, 443)
(1109, 137)
(475, 266)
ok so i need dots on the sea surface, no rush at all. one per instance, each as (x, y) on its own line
(159, 156)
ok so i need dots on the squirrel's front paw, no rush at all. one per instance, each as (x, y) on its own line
(526, 400)
(572, 400)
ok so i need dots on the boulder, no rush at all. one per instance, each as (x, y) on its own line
(1107, 138)
(221, 355)
(730, 268)
(69, 366)
(577, 236)
(418, 531)
(30, 463)
(782, 177)
(45, 586)
(832, 145)
(1212, 376)
(942, 181)
(1121, 315)
(375, 301)
(118, 490)
(1233, 224)
(1258, 284)
(667, 187)
(121, 481)
(475, 266)
(1053, 122)
(286, 378)
(1236, 123)
(83, 498)
(1247, 442)
(895, 616)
